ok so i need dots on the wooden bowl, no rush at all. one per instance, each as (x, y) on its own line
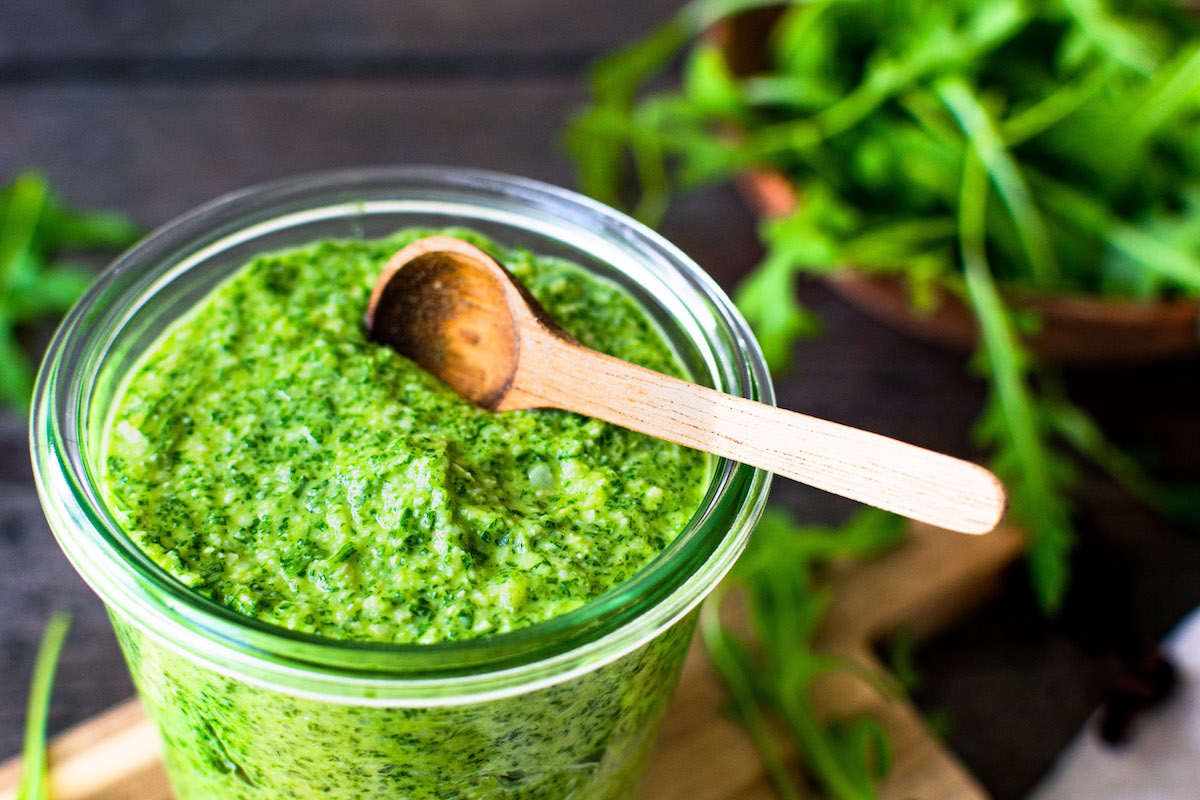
(1076, 330)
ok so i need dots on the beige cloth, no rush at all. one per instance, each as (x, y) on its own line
(1162, 759)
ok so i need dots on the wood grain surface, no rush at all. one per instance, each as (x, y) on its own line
(155, 107)
(225, 32)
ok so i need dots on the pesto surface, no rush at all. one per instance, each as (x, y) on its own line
(272, 458)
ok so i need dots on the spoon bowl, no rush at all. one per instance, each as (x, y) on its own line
(429, 308)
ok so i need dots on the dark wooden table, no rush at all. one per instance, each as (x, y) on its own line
(154, 107)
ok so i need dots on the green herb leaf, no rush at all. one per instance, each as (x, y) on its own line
(733, 661)
(1006, 175)
(1115, 38)
(709, 85)
(33, 758)
(901, 659)
(779, 576)
(1081, 116)
(776, 324)
(16, 371)
(1023, 460)
(55, 289)
(1076, 427)
(35, 228)
(23, 201)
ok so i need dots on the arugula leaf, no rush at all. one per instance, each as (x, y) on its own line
(1006, 175)
(900, 656)
(709, 84)
(16, 370)
(1023, 460)
(1074, 426)
(1112, 35)
(33, 758)
(23, 203)
(779, 576)
(768, 297)
(735, 664)
(35, 229)
(901, 122)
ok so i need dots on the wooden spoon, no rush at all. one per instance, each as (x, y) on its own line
(452, 309)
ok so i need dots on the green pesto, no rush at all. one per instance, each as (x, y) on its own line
(589, 738)
(270, 457)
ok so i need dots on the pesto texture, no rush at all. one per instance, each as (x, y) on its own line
(272, 458)
(589, 738)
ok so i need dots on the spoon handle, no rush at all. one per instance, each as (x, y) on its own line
(873, 469)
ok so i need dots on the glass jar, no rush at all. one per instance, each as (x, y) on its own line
(564, 708)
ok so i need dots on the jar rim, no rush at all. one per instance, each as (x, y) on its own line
(473, 669)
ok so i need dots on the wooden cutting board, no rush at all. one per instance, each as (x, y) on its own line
(927, 584)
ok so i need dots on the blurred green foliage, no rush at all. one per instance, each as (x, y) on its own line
(772, 678)
(37, 281)
(963, 145)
